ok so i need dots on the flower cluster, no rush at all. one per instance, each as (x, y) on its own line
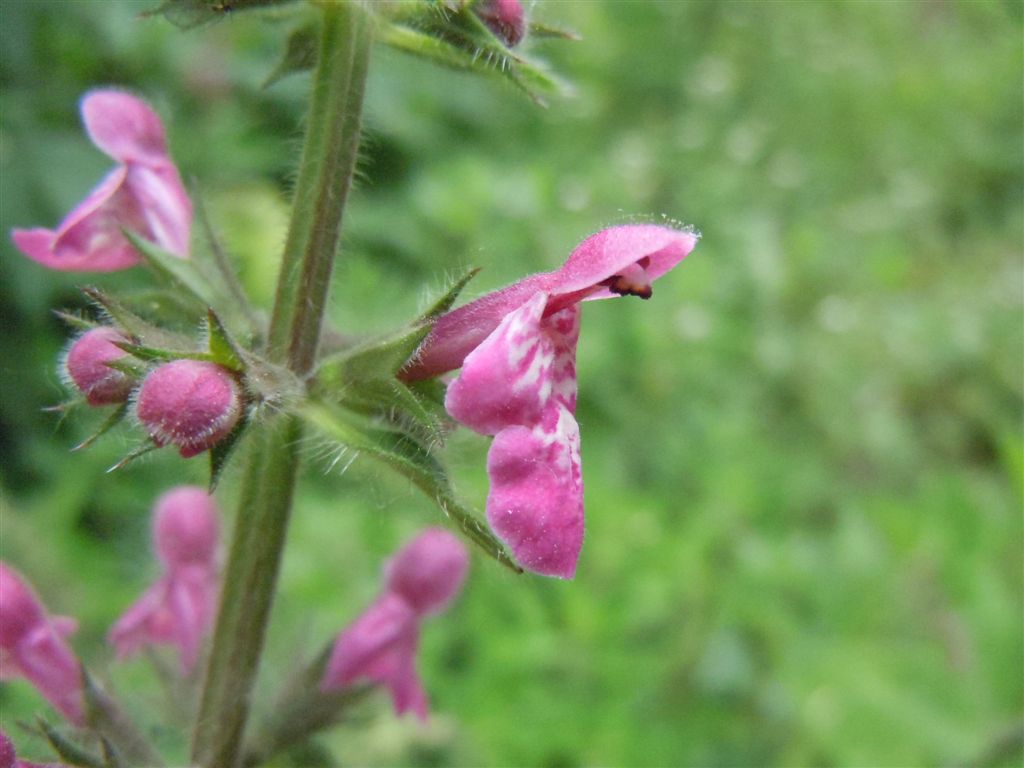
(517, 351)
(179, 608)
(380, 646)
(143, 194)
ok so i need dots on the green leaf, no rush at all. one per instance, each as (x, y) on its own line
(299, 54)
(407, 456)
(223, 349)
(69, 752)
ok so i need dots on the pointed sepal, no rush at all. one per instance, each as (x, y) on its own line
(132, 324)
(108, 719)
(299, 54)
(115, 418)
(223, 450)
(466, 44)
(69, 752)
(447, 300)
(223, 349)
(74, 320)
(140, 450)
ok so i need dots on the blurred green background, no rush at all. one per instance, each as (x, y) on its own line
(803, 458)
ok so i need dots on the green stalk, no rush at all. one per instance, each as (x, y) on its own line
(325, 176)
(250, 579)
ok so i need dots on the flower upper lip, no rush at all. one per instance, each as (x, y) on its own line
(590, 273)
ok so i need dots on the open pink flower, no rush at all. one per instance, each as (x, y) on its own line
(517, 350)
(143, 194)
(179, 608)
(33, 646)
(380, 646)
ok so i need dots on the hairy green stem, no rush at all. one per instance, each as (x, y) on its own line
(325, 176)
(250, 579)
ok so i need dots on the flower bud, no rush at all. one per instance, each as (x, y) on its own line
(192, 404)
(185, 528)
(429, 571)
(504, 18)
(86, 367)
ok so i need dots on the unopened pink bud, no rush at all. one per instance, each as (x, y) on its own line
(192, 404)
(429, 571)
(86, 366)
(504, 18)
(185, 527)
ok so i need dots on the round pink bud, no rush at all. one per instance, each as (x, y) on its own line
(86, 366)
(428, 572)
(20, 610)
(504, 18)
(192, 404)
(185, 526)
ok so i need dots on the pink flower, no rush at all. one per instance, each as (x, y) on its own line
(33, 646)
(179, 608)
(422, 579)
(86, 367)
(143, 194)
(192, 404)
(504, 18)
(517, 350)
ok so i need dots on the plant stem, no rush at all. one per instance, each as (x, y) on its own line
(250, 579)
(325, 176)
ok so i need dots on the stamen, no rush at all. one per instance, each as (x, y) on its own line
(632, 281)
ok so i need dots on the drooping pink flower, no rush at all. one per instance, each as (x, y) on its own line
(193, 404)
(143, 194)
(517, 351)
(380, 646)
(179, 608)
(86, 366)
(33, 646)
(504, 18)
